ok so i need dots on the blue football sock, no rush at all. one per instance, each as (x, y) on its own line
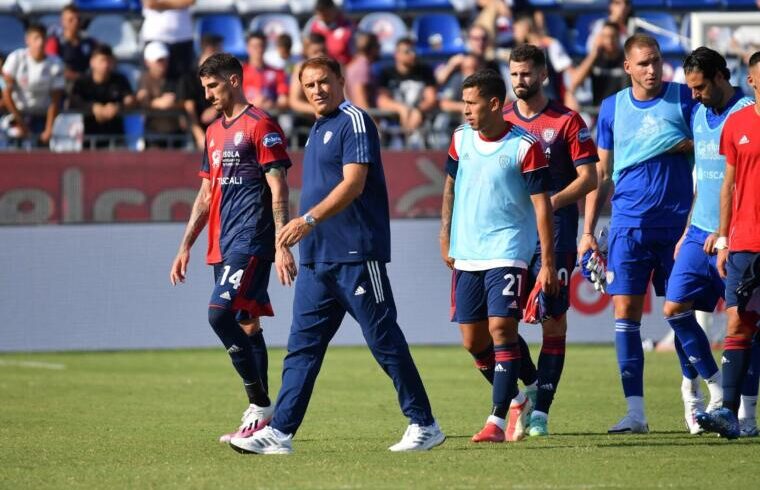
(506, 370)
(550, 364)
(735, 363)
(687, 368)
(630, 355)
(752, 378)
(484, 361)
(238, 346)
(695, 346)
(261, 357)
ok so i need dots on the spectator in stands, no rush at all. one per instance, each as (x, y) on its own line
(559, 63)
(360, 84)
(199, 112)
(408, 89)
(603, 64)
(71, 44)
(313, 45)
(158, 95)
(102, 95)
(497, 17)
(337, 30)
(480, 45)
(33, 88)
(451, 93)
(264, 87)
(281, 57)
(170, 22)
(745, 41)
(620, 12)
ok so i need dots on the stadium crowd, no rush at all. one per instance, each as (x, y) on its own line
(409, 78)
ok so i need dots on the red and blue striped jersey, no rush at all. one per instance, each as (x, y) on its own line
(238, 153)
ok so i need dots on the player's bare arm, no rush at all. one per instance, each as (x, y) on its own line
(547, 276)
(284, 263)
(196, 223)
(351, 187)
(683, 146)
(726, 199)
(446, 212)
(595, 201)
(582, 185)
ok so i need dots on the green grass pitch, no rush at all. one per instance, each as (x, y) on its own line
(151, 420)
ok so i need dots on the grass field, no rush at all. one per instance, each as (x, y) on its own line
(151, 419)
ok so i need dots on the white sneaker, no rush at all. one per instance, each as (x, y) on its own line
(691, 407)
(748, 427)
(254, 419)
(266, 441)
(629, 425)
(420, 438)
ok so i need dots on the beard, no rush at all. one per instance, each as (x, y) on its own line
(527, 92)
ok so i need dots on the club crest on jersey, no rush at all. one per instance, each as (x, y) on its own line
(238, 138)
(548, 134)
(328, 135)
(271, 139)
(216, 158)
(505, 161)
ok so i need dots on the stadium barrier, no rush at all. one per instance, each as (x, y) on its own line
(84, 287)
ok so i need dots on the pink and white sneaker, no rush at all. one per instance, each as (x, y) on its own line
(254, 419)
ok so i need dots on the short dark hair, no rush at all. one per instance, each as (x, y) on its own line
(71, 8)
(257, 35)
(210, 40)
(489, 84)
(284, 41)
(36, 27)
(221, 65)
(323, 62)
(316, 38)
(640, 40)
(322, 5)
(707, 61)
(528, 52)
(754, 59)
(102, 50)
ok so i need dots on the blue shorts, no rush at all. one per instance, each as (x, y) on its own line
(565, 264)
(638, 255)
(481, 294)
(736, 266)
(695, 276)
(241, 282)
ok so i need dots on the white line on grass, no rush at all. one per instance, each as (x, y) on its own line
(33, 364)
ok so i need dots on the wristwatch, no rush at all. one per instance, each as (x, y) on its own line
(721, 243)
(309, 219)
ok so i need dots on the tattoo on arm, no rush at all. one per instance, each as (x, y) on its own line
(447, 208)
(280, 204)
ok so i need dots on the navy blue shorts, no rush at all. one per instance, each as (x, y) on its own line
(241, 282)
(565, 264)
(695, 275)
(736, 266)
(481, 294)
(638, 255)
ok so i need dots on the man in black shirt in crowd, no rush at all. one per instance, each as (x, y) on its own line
(407, 88)
(604, 63)
(102, 95)
(70, 44)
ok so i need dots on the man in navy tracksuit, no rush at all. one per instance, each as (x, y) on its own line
(344, 235)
